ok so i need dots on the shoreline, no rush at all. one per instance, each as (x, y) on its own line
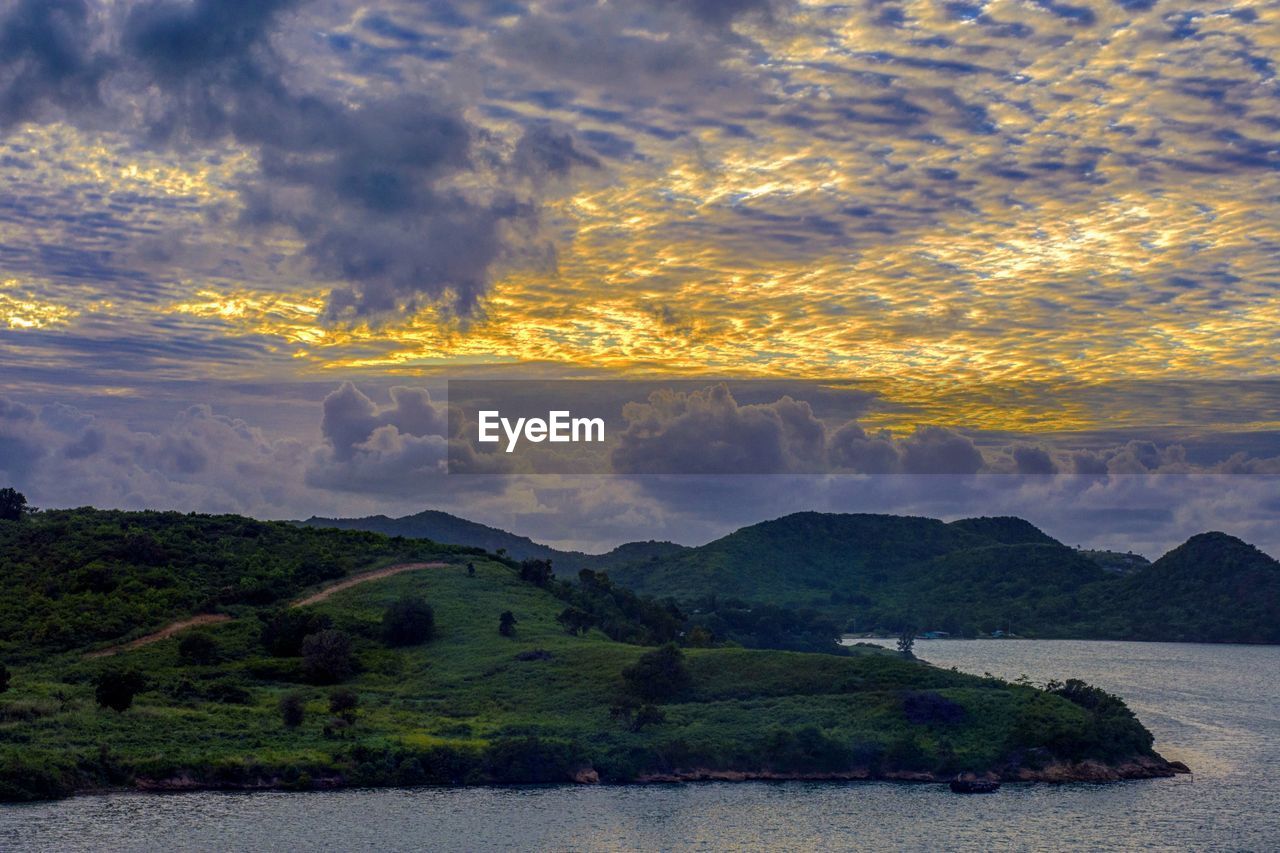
(1087, 771)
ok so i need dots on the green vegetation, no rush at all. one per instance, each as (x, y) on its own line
(881, 574)
(795, 582)
(72, 578)
(324, 694)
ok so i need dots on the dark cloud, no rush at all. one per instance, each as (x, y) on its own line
(351, 419)
(47, 59)
(398, 197)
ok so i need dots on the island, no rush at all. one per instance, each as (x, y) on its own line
(173, 652)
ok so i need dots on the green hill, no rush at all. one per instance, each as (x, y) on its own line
(364, 688)
(878, 573)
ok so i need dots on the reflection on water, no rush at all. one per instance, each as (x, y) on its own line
(1215, 707)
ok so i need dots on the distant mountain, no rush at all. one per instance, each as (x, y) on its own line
(443, 527)
(881, 573)
(976, 576)
(450, 529)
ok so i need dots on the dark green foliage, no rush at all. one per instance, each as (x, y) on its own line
(762, 626)
(74, 578)
(115, 688)
(926, 707)
(13, 505)
(648, 715)
(471, 570)
(4, 678)
(198, 648)
(327, 657)
(575, 621)
(806, 750)
(284, 630)
(408, 622)
(658, 675)
(293, 709)
(344, 703)
(536, 571)
(907, 642)
(1114, 731)
(507, 624)
(531, 760)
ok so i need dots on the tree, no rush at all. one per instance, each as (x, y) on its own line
(327, 658)
(471, 570)
(907, 642)
(292, 710)
(116, 688)
(13, 504)
(4, 678)
(575, 621)
(408, 622)
(198, 648)
(657, 675)
(536, 571)
(507, 623)
(343, 703)
(284, 630)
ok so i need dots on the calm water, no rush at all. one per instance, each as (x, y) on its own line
(1215, 707)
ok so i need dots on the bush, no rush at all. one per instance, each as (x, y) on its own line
(115, 689)
(658, 675)
(4, 678)
(292, 710)
(507, 623)
(575, 621)
(198, 648)
(926, 707)
(327, 657)
(284, 630)
(408, 622)
(344, 704)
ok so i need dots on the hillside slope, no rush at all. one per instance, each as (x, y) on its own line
(239, 709)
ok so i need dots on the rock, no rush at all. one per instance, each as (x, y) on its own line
(587, 776)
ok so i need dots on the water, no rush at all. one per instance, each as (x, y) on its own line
(1215, 707)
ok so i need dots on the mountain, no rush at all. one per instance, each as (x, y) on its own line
(973, 576)
(173, 652)
(443, 527)
(1212, 588)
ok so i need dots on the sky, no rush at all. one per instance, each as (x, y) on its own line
(244, 245)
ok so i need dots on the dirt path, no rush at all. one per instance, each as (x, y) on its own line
(356, 580)
(163, 634)
(214, 618)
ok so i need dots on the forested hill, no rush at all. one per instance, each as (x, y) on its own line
(974, 576)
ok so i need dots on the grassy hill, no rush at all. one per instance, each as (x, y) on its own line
(235, 705)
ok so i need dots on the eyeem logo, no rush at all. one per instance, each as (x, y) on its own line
(559, 427)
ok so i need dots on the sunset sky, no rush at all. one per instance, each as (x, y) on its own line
(1048, 229)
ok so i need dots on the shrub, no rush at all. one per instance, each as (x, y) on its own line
(507, 623)
(4, 678)
(344, 704)
(292, 710)
(657, 675)
(115, 689)
(198, 648)
(927, 707)
(575, 621)
(326, 657)
(284, 630)
(408, 622)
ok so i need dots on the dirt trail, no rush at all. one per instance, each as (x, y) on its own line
(163, 634)
(356, 580)
(214, 618)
